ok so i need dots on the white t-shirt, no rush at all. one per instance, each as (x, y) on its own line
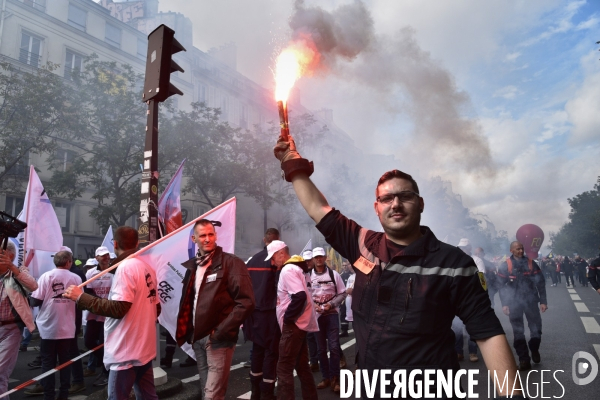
(131, 340)
(292, 280)
(349, 285)
(324, 290)
(200, 271)
(479, 263)
(101, 288)
(56, 319)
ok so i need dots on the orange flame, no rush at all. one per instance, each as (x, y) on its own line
(295, 61)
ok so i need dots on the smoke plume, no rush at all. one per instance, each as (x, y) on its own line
(404, 80)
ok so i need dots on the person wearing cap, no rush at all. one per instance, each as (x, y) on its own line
(328, 292)
(56, 323)
(216, 298)
(296, 316)
(522, 288)
(409, 285)
(261, 326)
(457, 325)
(94, 331)
(14, 310)
(311, 337)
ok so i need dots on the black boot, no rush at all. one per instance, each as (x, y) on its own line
(267, 391)
(167, 360)
(255, 381)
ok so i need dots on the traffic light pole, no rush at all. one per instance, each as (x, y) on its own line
(148, 230)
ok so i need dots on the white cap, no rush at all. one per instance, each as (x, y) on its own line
(91, 261)
(274, 247)
(65, 248)
(464, 242)
(307, 255)
(102, 250)
(318, 251)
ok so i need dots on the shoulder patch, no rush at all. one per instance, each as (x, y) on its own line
(482, 280)
(365, 266)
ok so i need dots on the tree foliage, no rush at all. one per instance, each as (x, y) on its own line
(581, 234)
(108, 133)
(34, 111)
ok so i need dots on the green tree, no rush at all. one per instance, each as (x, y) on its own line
(109, 137)
(581, 234)
(34, 111)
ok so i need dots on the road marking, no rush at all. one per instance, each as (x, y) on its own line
(581, 307)
(10, 380)
(196, 377)
(590, 324)
(78, 397)
(597, 348)
(349, 343)
(572, 290)
(575, 297)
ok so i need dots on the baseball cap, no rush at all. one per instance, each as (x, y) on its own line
(274, 247)
(65, 248)
(318, 251)
(307, 254)
(102, 250)
(78, 262)
(91, 261)
(464, 242)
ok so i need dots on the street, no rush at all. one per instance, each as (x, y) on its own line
(570, 325)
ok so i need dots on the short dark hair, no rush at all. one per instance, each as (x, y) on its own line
(272, 232)
(62, 258)
(126, 237)
(395, 173)
(203, 222)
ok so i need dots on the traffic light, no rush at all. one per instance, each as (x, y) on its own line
(159, 65)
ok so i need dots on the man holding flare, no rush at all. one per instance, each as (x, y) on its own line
(409, 285)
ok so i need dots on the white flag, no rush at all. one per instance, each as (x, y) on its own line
(108, 240)
(167, 254)
(307, 247)
(43, 230)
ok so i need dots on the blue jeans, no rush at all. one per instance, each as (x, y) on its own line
(214, 364)
(457, 327)
(27, 336)
(329, 331)
(312, 348)
(140, 378)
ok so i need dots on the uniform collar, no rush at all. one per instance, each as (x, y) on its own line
(426, 243)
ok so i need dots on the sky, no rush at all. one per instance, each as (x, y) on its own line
(500, 98)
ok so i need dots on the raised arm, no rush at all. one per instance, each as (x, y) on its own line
(298, 170)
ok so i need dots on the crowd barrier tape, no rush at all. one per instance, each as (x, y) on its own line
(48, 373)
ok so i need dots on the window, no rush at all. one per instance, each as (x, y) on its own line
(64, 159)
(37, 4)
(201, 93)
(31, 49)
(21, 168)
(77, 17)
(63, 213)
(243, 116)
(73, 62)
(112, 35)
(224, 108)
(14, 205)
(142, 48)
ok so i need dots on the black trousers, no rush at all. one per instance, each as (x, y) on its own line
(344, 325)
(94, 335)
(50, 349)
(534, 320)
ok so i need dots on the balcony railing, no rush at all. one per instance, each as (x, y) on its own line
(29, 58)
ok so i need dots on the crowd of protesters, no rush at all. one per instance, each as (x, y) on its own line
(256, 292)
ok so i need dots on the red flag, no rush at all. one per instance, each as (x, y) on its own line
(169, 205)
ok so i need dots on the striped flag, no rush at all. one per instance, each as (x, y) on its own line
(169, 205)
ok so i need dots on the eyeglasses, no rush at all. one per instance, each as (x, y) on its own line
(406, 196)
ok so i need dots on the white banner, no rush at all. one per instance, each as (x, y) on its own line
(108, 240)
(167, 254)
